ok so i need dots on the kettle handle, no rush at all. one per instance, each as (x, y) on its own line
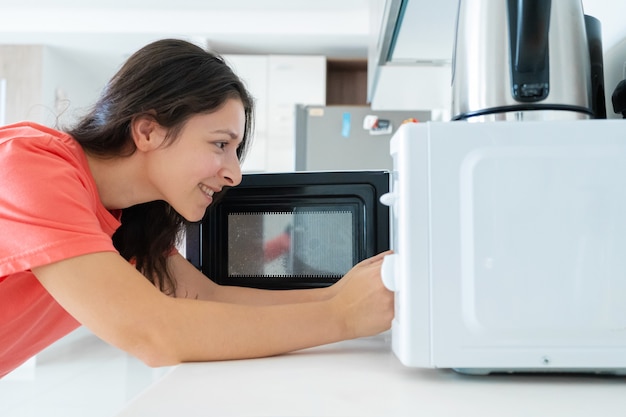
(529, 24)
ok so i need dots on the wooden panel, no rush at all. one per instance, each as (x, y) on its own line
(21, 66)
(346, 82)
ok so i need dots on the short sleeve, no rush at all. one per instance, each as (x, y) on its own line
(49, 206)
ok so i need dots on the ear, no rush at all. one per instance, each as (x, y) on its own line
(147, 133)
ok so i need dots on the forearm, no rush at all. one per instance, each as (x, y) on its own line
(191, 283)
(106, 294)
(254, 296)
(359, 306)
(219, 331)
(110, 297)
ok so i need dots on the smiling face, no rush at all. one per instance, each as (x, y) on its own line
(200, 161)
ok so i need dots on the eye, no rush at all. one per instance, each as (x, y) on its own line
(220, 145)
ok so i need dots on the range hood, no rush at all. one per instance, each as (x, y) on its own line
(409, 33)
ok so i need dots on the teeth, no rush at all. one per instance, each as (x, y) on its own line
(206, 190)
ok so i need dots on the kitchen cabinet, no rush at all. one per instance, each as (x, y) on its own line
(402, 87)
(409, 54)
(252, 69)
(278, 83)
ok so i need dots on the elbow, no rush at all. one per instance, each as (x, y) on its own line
(153, 350)
(155, 358)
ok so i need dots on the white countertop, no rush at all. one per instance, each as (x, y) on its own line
(364, 378)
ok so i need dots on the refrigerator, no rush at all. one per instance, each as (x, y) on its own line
(330, 138)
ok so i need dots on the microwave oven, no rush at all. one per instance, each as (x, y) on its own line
(291, 230)
(509, 246)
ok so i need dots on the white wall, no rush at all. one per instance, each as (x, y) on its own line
(69, 86)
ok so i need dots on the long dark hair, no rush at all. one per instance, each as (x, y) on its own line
(169, 80)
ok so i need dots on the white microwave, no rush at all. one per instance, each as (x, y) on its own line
(509, 244)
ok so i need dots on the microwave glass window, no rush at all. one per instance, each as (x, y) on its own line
(302, 243)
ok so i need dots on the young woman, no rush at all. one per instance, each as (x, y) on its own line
(86, 216)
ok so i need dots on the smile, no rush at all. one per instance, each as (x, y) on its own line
(206, 190)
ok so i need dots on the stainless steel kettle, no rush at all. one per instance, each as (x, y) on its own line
(521, 60)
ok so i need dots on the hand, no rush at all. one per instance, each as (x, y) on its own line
(362, 299)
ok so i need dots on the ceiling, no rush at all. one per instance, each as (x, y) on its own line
(107, 31)
(233, 26)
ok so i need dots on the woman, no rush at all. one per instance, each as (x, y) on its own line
(159, 146)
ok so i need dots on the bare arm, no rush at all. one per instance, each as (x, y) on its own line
(194, 284)
(105, 293)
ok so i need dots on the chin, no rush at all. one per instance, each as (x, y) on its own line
(193, 218)
(192, 213)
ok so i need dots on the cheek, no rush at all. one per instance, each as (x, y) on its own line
(202, 167)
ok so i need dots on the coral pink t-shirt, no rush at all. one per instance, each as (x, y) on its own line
(49, 211)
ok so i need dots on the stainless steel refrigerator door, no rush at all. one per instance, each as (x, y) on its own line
(333, 137)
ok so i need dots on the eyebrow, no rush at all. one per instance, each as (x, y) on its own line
(228, 132)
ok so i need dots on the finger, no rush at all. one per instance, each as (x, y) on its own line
(375, 258)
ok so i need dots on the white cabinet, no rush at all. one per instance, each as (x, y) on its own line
(291, 80)
(278, 83)
(252, 69)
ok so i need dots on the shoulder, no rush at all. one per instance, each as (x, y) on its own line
(31, 146)
(32, 157)
(32, 136)
(27, 130)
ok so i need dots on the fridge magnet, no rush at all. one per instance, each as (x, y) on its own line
(377, 126)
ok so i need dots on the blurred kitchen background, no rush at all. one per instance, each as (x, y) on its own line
(330, 77)
(370, 55)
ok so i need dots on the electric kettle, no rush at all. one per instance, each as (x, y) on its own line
(521, 60)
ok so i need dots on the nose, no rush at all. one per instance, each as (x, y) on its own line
(231, 171)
